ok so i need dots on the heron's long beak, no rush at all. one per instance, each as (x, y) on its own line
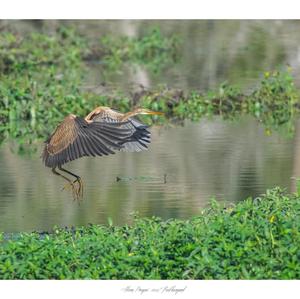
(147, 111)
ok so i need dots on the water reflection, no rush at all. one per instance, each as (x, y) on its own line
(212, 158)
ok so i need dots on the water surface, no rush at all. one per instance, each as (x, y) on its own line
(183, 169)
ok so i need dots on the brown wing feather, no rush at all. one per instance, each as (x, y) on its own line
(63, 136)
(75, 138)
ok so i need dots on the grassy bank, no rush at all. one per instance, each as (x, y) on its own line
(255, 239)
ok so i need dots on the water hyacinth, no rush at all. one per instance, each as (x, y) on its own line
(42, 79)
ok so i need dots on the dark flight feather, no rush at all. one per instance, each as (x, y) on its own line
(75, 138)
(140, 136)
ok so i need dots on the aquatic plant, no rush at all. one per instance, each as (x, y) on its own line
(275, 102)
(42, 75)
(153, 50)
(254, 239)
(34, 51)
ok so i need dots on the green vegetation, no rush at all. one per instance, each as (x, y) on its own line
(36, 51)
(275, 102)
(42, 80)
(255, 239)
(42, 75)
(152, 51)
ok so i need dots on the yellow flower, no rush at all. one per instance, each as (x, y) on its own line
(268, 132)
(272, 219)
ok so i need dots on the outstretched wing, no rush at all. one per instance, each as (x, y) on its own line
(75, 138)
(140, 136)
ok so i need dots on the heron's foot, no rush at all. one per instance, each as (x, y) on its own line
(73, 188)
(67, 186)
(76, 187)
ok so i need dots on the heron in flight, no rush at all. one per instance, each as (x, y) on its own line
(102, 132)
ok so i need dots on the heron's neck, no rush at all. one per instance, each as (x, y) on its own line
(90, 116)
(130, 114)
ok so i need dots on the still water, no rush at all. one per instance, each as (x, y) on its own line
(184, 167)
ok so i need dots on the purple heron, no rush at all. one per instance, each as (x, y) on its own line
(102, 132)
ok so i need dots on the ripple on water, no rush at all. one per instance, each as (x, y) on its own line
(212, 158)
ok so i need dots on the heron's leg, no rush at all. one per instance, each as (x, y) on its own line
(69, 172)
(67, 179)
(78, 180)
